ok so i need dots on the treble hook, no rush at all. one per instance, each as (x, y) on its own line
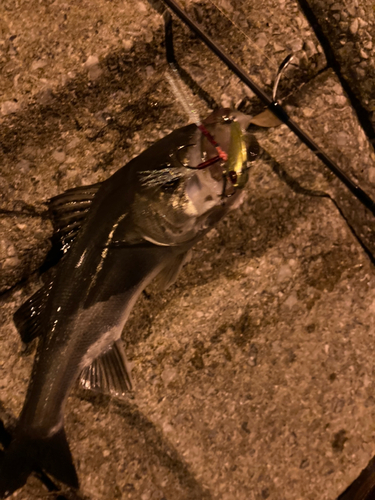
(279, 73)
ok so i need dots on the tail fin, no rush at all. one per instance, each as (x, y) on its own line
(26, 454)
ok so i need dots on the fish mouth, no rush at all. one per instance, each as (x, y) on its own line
(204, 189)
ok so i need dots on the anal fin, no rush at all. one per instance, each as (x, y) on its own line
(109, 373)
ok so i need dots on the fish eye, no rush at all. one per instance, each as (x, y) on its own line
(228, 117)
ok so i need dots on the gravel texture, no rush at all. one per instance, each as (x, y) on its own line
(349, 27)
(254, 372)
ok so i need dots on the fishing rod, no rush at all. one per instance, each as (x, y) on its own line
(273, 106)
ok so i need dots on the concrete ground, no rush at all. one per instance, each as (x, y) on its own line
(254, 373)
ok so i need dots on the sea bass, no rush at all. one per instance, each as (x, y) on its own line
(113, 239)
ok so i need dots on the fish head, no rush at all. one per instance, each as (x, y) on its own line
(184, 197)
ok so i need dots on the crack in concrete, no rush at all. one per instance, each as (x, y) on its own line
(297, 188)
(332, 61)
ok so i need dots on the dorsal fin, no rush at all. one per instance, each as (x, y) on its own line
(68, 212)
(28, 317)
(109, 373)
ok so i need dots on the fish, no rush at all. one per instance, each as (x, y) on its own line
(111, 240)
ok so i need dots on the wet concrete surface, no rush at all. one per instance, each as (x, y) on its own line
(254, 372)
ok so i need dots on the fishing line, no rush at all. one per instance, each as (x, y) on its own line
(176, 85)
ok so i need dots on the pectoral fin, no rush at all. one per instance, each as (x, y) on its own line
(109, 373)
(170, 272)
